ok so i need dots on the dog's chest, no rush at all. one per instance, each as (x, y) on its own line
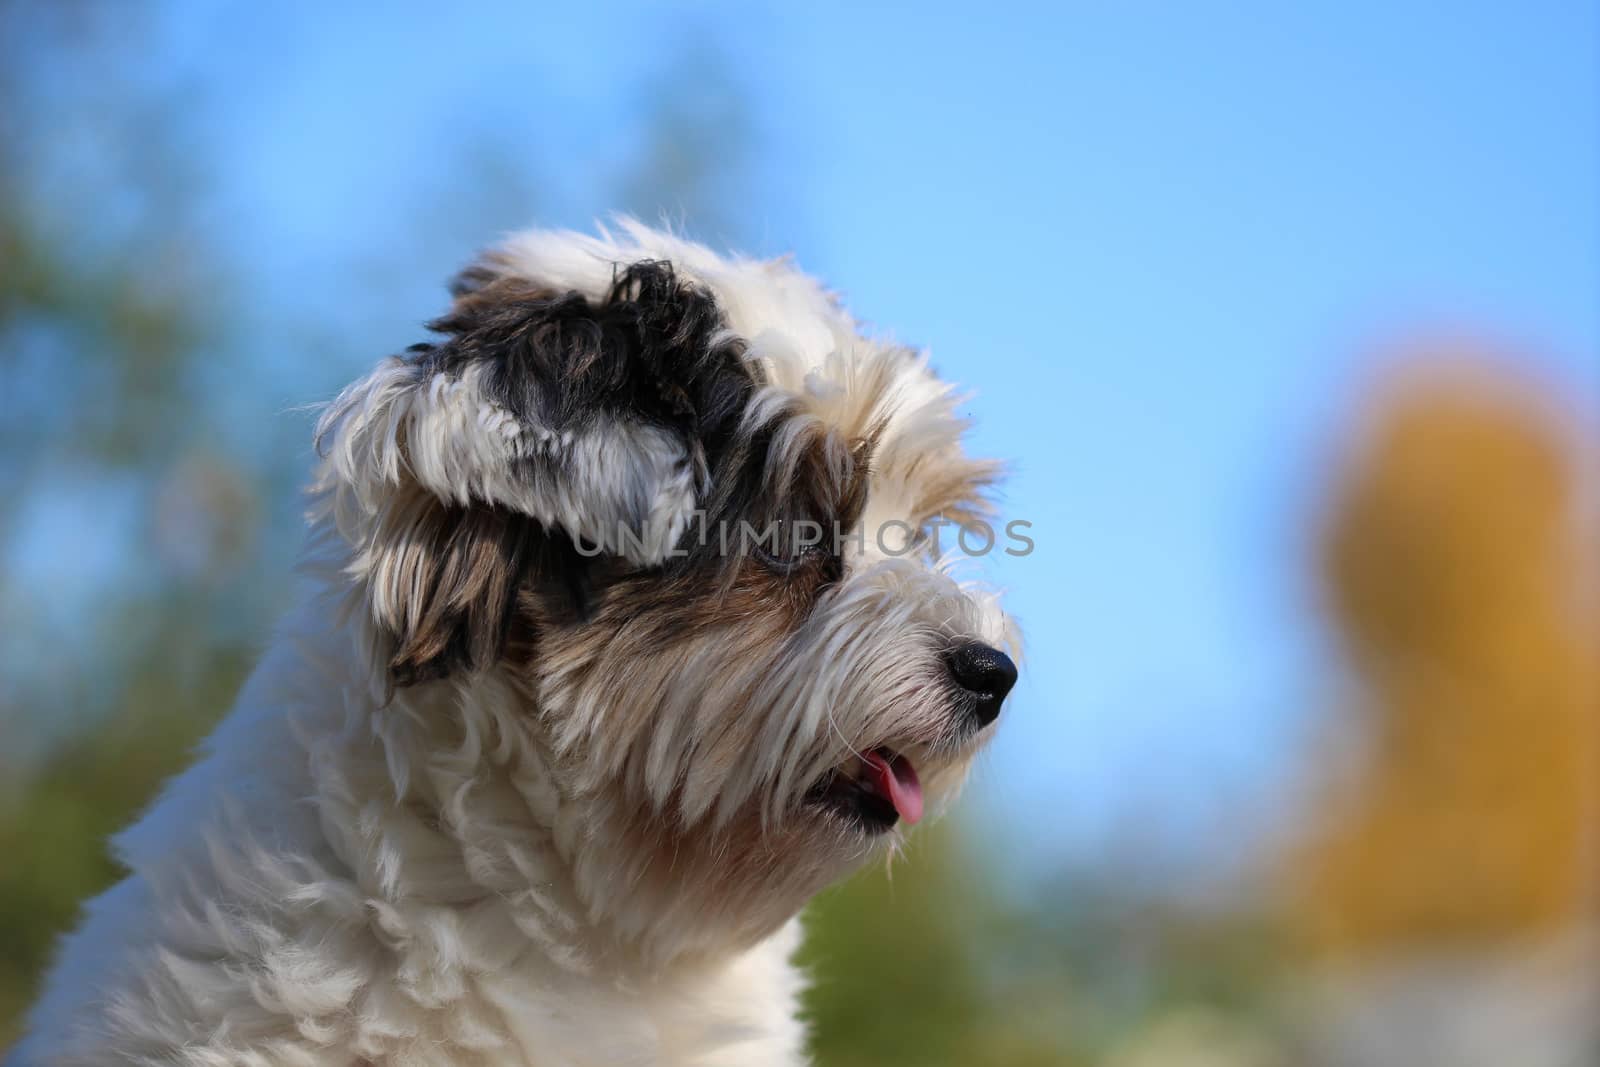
(741, 1013)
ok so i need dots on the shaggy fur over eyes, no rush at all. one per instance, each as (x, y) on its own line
(550, 756)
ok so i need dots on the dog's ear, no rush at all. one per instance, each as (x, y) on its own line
(586, 419)
(443, 582)
(590, 416)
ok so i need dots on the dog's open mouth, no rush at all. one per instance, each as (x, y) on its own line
(876, 789)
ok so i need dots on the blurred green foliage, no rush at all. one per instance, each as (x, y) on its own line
(900, 959)
(98, 343)
(943, 959)
(53, 829)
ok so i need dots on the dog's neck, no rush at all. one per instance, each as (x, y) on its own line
(447, 795)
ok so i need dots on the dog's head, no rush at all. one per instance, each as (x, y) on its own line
(681, 505)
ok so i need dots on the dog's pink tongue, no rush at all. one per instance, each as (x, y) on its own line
(896, 779)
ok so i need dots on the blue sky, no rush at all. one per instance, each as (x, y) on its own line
(1159, 240)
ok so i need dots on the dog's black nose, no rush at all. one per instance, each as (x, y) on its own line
(987, 673)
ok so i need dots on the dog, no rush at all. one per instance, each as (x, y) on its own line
(577, 710)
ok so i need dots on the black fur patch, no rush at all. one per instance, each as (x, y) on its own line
(647, 349)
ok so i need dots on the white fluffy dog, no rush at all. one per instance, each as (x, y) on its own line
(554, 751)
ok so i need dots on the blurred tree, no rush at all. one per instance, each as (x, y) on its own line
(1456, 576)
(99, 335)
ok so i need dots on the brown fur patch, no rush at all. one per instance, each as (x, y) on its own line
(447, 579)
